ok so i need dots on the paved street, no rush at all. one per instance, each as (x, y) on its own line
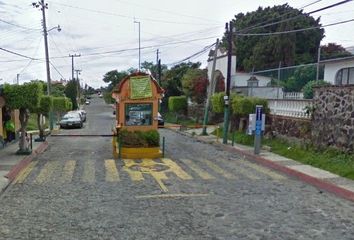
(75, 190)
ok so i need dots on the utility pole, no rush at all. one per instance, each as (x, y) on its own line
(72, 64)
(78, 84)
(139, 44)
(18, 78)
(318, 64)
(43, 6)
(210, 90)
(229, 31)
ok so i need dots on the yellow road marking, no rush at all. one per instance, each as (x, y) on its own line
(201, 173)
(149, 166)
(176, 169)
(68, 171)
(111, 171)
(46, 172)
(89, 171)
(134, 175)
(263, 170)
(25, 172)
(172, 195)
(219, 170)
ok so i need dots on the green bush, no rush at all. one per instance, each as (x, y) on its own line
(68, 104)
(308, 88)
(217, 102)
(242, 106)
(59, 104)
(45, 105)
(140, 139)
(177, 104)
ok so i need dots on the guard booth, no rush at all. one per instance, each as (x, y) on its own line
(137, 102)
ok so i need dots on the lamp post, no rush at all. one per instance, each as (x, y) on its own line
(139, 44)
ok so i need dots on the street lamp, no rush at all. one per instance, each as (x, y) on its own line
(139, 42)
(57, 27)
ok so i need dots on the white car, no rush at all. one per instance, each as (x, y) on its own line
(71, 120)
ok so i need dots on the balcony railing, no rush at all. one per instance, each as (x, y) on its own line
(290, 108)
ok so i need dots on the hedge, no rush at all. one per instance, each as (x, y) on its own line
(60, 104)
(177, 104)
(26, 96)
(45, 105)
(308, 88)
(242, 106)
(217, 102)
(140, 139)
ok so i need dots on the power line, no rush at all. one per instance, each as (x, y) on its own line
(19, 26)
(56, 70)
(151, 46)
(193, 55)
(18, 54)
(293, 31)
(295, 17)
(126, 16)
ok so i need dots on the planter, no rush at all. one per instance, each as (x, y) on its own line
(138, 153)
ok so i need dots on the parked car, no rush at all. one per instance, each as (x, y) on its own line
(87, 102)
(160, 120)
(72, 119)
(82, 114)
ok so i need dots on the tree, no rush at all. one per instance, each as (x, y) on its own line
(71, 92)
(26, 98)
(333, 50)
(114, 77)
(43, 109)
(194, 83)
(153, 68)
(302, 75)
(308, 88)
(58, 90)
(262, 52)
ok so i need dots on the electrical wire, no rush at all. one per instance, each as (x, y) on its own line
(193, 55)
(56, 70)
(293, 31)
(19, 26)
(18, 54)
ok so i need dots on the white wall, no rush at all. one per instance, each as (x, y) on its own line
(240, 79)
(221, 64)
(331, 69)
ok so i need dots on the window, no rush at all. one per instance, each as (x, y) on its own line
(345, 76)
(138, 114)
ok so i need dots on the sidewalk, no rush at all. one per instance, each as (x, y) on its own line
(11, 164)
(321, 179)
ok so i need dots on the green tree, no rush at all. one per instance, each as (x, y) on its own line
(60, 105)
(308, 88)
(302, 75)
(153, 68)
(333, 50)
(263, 52)
(26, 98)
(195, 83)
(43, 109)
(71, 92)
(58, 90)
(113, 78)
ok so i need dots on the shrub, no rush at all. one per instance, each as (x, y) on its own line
(140, 139)
(308, 88)
(217, 102)
(59, 104)
(177, 104)
(242, 106)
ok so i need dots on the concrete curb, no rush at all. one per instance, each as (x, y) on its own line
(316, 182)
(11, 175)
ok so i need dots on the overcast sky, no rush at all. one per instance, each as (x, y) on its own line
(92, 28)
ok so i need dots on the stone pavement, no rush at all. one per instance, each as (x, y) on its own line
(9, 159)
(341, 186)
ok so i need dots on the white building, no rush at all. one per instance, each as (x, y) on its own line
(339, 71)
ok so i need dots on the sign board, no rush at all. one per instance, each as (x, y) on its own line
(140, 87)
(252, 123)
(259, 115)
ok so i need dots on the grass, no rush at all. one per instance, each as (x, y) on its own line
(32, 123)
(332, 160)
(171, 118)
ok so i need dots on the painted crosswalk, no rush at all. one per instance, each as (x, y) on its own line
(160, 170)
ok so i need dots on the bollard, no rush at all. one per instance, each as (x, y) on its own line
(163, 147)
(31, 141)
(120, 147)
(233, 138)
(217, 133)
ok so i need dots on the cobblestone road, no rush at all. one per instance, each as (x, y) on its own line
(75, 190)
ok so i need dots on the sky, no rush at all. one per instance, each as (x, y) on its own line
(105, 35)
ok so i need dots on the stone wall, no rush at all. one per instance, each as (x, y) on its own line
(333, 117)
(289, 126)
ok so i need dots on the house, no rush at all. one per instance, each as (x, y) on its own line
(242, 82)
(339, 71)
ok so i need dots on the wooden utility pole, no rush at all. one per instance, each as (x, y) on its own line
(72, 64)
(229, 32)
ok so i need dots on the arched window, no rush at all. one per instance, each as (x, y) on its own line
(345, 76)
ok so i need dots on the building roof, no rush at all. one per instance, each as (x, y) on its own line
(119, 86)
(342, 59)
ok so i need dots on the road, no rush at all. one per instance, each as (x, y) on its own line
(75, 190)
